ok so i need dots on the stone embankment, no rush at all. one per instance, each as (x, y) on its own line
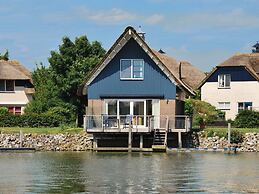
(250, 142)
(47, 142)
(82, 142)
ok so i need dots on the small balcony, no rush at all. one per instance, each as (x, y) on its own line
(136, 123)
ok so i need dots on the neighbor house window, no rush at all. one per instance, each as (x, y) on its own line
(224, 105)
(132, 69)
(6, 85)
(244, 106)
(224, 81)
(15, 110)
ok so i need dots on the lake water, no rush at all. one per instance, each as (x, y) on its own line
(87, 172)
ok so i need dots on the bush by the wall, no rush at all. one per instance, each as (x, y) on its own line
(236, 136)
(29, 120)
(247, 119)
(202, 112)
(3, 110)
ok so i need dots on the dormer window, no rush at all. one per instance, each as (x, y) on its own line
(131, 69)
(6, 85)
(224, 80)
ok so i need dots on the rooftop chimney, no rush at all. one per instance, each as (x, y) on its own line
(256, 46)
(141, 33)
(161, 51)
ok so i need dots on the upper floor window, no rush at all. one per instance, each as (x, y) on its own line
(6, 85)
(224, 80)
(132, 69)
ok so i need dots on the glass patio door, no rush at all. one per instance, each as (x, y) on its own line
(128, 110)
(139, 113)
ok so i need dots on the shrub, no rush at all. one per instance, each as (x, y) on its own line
(3, 110)
(236, 136)
(247, 119)
(63, 114)
(29, 120)
(203, 112)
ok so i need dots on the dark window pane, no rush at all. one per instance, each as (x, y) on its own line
(112, 107)
(228, 79)
(124, 107)
(9, 85)
(10, 109)
(18, 110)
(126, 68)
(247, 105)
(2, 85)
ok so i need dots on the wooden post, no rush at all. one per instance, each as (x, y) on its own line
(95, 144)
(180, 140)
(229, 135)
(130, 138)
(141, 142)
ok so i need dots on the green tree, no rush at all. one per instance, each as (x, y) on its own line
(71, 64)
(4, 56)
(57, 85)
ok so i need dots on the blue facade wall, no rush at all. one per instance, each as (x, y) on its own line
(155, 82)
(237, 74)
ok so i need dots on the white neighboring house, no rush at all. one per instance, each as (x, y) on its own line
(16, 88)
(233, 85)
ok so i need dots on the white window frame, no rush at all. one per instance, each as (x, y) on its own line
(131, 70)
(225, 78)
(5, 91)
(224, 107)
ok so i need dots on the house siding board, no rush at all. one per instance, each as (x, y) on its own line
(108, 82)
(237, 74)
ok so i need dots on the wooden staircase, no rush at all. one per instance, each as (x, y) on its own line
(160, 140)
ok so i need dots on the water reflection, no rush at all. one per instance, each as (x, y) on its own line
(131, 173)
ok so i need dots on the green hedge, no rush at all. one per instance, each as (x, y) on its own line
(30, 120)
(247, 119)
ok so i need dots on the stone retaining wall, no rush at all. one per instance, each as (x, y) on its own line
(82, 142)
(45, 142)
(250, 142)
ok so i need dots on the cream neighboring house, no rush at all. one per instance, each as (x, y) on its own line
(16, 86)
(233, 85)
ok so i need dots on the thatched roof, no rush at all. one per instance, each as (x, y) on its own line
(13, 70)
(183, 70)
(249, 61)
(169, 65)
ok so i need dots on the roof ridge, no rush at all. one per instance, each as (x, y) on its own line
(247, 54)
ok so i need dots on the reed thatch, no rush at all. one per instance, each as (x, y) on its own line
(182, 70)
(250, 61)
(13, 70)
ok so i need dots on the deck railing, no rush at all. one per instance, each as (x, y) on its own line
(138, 123)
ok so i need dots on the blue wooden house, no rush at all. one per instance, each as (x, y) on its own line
(138, 92)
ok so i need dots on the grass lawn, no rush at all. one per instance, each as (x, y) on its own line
(222, 132)
(42, 130)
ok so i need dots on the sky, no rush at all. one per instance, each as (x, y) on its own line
(203, 32)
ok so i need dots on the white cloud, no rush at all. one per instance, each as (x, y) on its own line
(108, 17)
(232, 19)
(113, 16)
(154, 19)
